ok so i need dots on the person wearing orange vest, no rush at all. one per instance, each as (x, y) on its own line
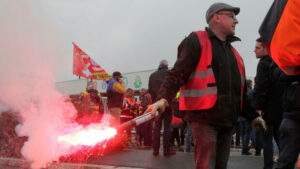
(128, 110)
(94, 100)
(177, 122)
(129, 104)
(210, 75)
(146, 128)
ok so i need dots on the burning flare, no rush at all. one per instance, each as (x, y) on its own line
(89, 136)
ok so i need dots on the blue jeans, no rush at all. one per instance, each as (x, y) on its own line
(246, 131)
(167, 118)
(289, 144)
(275, 146)
(272, 131)
(212, 145)
(188, 137)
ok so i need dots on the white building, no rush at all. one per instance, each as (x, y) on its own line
(134, 80)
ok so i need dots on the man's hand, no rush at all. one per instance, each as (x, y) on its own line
(158, 106)
(259, 112)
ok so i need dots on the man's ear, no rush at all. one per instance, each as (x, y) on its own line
(215, 18)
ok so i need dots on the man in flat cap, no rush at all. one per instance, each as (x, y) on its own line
(210, 75)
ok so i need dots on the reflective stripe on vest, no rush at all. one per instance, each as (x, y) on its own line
(200, 92)
(94, 109)
(149, 99)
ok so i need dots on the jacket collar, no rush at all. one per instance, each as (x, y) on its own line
(162, 67)
(229, 39)
(266, 57)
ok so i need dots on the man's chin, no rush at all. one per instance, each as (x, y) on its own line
(231, 33)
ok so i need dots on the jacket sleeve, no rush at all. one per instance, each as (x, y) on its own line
(119, 87)
(262, 84)
(187, 59)
(151, 88)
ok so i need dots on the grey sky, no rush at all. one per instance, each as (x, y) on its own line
(124, 35)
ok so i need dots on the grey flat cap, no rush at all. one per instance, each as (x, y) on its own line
(216, 7)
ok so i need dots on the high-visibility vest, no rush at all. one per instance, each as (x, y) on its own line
(128, 101)
(148, 104)
(299, 162)
(149, 99)
(93, 108)
(140, 109)
(200, 92)
(176, 120)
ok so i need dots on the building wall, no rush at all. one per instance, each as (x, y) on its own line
(134, 80)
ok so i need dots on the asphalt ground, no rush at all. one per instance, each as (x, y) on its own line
(143, 159)
(134, 158)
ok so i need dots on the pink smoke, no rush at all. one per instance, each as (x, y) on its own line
(27, 87)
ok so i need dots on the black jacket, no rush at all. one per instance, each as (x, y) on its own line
(268, 91)
(291, 97)
(228, 80)
(250, 106)
(155, 81)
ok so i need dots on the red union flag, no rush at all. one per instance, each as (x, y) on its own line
(85, 66)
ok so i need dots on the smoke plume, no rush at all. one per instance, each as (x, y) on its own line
(27, 85)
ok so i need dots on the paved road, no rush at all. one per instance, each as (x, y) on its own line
(142, 159)
(145, 159)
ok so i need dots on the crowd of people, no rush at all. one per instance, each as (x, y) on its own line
(215, 101)
(214, 97)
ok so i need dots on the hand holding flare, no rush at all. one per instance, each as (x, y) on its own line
(159, 106)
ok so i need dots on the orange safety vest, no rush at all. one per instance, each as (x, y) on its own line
(200, 92)
(129, 101)
(149, 99)
(140, 108)
(148, 104)
(299, 162)
(176, 120)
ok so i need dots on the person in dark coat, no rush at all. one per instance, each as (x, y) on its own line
(246, 119)
(290, 126)
(155, 80)
(268, 92)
